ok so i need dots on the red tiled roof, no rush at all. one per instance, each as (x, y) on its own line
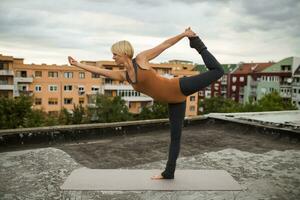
(247, 68)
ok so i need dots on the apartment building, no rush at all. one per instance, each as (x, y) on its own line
(242, 81)
(6, 76)
(296, 87)
(217, 88)
(279, 77)
(54, 87)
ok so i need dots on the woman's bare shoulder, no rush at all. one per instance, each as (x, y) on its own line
(142, 62)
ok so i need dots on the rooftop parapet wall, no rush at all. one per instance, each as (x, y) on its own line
(66, 133)
(16, 138)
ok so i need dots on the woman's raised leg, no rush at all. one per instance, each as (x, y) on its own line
(192, 84)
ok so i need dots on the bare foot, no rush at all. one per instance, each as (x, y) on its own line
(157, 177)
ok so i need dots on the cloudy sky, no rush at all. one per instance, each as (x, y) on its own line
(47, 31)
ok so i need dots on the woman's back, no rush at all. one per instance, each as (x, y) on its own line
(162, 89)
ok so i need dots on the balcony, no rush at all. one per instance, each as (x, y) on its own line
(23, 79)
(6, 87)
(23, 92)
(117, 87)
(285, 95)
(6, 72)
(138, 98)
(295, 84)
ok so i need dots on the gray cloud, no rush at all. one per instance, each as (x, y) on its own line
(269, 15)
(92, 25)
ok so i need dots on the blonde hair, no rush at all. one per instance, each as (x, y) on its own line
(123, 47)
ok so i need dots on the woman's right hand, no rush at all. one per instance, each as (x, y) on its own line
(189, 33)
(72, 61)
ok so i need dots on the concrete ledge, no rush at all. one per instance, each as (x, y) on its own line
(56, 134)
(279, 120)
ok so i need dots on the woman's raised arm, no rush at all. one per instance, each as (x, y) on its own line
(113, 74)
(154, 52)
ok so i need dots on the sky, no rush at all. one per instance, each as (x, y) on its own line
(47, 31)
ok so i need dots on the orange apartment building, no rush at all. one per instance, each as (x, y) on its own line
(54, 87)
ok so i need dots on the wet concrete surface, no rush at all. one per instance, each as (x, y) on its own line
(148, 147)
(266, 166)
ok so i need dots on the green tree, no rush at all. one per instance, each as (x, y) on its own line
(160, 110)
(273, 101)
(146, 113)
(270, 102)
(36, 118)
(156, 111)
(250, 106)
(78, 114)
(13, 111)
(65, 117)
(111, 109)
(219, 104)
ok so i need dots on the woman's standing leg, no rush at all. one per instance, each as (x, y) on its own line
(176, 117)
(192, 84)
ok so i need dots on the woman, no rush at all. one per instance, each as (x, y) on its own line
(144, 79)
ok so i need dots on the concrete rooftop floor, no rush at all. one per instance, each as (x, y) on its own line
(267, 167)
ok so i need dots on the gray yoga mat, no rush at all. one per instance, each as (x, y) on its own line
(135, 180)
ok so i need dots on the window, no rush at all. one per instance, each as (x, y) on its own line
(38, 74)
(38, 101)
(68, 88)
(68, 74)
(95, 75)
(108, 81)
(81, 100)
(192, 98)
(68, 100)
(233, 88)
(52, 101)
(233, 79)
(192, 108)
(52, 88)
(81, 75)
(53, 74)
(285, 67)
(81, 88)
(208, 94)
(95, 89)
(38, 88)
(22, 74)
(241, 79)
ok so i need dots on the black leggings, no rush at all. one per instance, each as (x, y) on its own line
(188, 85)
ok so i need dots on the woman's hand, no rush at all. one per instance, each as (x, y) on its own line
(72, 61)
(189, 33)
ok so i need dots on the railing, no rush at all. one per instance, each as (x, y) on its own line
(6, 72)
(23, 79)
(6, 87)
(23, 92)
